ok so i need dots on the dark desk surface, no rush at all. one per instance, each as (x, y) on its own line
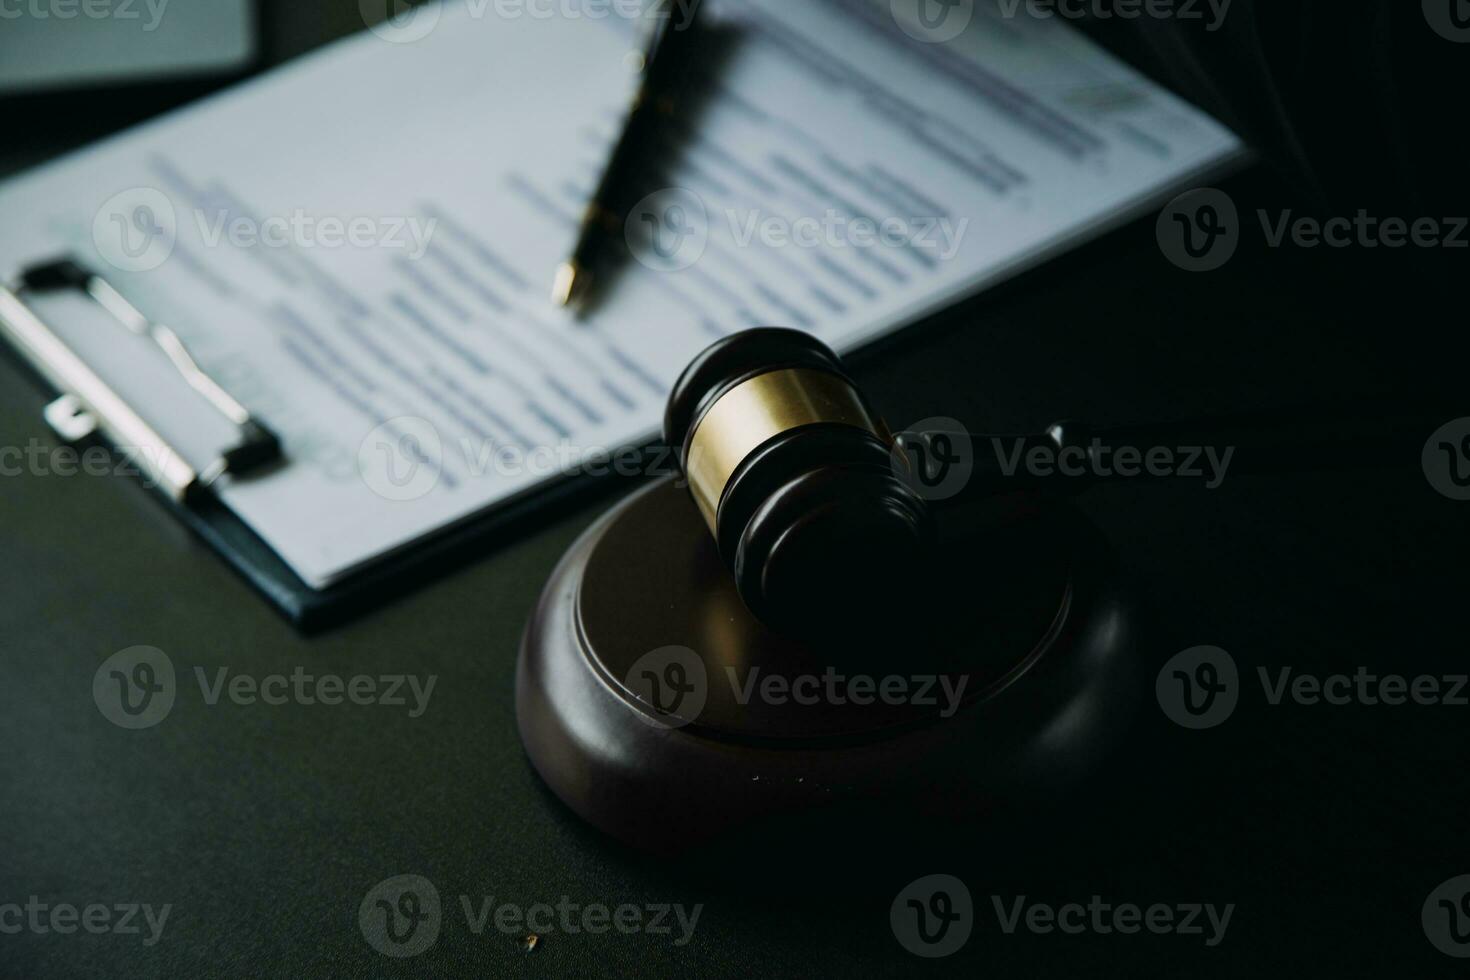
(264, 827)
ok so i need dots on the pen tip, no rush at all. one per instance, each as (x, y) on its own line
(570, 280)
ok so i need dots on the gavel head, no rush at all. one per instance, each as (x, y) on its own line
(794, 475)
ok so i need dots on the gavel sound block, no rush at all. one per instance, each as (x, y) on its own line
(660, 711)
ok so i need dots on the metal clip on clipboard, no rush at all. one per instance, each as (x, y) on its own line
(87, 404)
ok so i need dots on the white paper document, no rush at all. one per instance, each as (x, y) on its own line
(360, 246)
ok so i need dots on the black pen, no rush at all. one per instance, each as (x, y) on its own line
(662, 64)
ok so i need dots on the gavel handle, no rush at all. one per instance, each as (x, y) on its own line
(1073, 456)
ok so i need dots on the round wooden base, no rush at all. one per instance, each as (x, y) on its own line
(661, 712)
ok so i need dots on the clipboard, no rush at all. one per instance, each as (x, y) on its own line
(336, 337)
(87, 409)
